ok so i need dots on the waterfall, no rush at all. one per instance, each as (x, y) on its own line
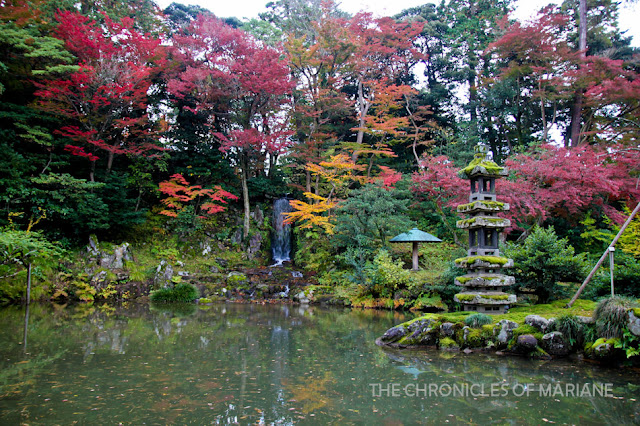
(281, 237)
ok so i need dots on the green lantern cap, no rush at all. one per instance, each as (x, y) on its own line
(415, 235)
(482, 165)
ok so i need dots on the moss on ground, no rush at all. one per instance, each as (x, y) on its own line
(519, 313)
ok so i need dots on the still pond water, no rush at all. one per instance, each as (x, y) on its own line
(251, 364)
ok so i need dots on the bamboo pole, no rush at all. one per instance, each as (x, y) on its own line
(29, 284)
(604, 256)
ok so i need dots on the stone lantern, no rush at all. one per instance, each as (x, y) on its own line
(484, 283)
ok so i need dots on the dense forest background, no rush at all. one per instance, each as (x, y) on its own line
(123, 120)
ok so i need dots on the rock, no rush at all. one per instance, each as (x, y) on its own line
(183, 273)
(164, 273)
(537, 321)
(422, 333)
(258, 216)
(116, 260)
(603, 348)
(304, 298)
(92, 247)
(206, 248)
(554, 344)
(222, 262)
(468, 351)
(446, 329)
(393, 334)
(255, 243)
(296, 274)
(506, 330)
(526, 343)
(214, 269)
(634, 323)
(585, 320)
(235, 277)
(236, 238)
(99, 280)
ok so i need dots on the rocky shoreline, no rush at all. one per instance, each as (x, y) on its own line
(537, 337)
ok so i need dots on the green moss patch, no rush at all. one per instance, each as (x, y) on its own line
(447, 342)
(494, 260)
(481, 205)
(490, 166)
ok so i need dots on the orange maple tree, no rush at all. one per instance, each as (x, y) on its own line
(180, 194)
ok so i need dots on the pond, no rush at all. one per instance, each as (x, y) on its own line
(276, 364)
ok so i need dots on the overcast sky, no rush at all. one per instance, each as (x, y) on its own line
(629, 13)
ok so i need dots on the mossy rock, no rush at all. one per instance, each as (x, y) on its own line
(604, 349)
(485, 299)
(483, 221)
(480, 206)
(491, 262)
(521, 331)
(485, 280)
(448, 344)
(236, 278)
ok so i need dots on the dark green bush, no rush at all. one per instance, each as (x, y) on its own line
(477, 320)
(611, 316)
(180, 293)
(542, 261)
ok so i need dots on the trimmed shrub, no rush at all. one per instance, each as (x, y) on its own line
(180, 293)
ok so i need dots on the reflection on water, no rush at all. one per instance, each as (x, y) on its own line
(232, 363)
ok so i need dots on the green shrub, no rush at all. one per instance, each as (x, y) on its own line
(611, 316)
(477, 320)
(180, 293)
(542, 261)
(626, 278)
(445, 286)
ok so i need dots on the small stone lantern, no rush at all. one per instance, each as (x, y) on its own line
(483, 284)
(415, 236)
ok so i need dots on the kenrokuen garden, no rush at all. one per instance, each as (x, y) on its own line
(312, 212)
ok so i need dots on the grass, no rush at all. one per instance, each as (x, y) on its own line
(611, 315)
(478, 320)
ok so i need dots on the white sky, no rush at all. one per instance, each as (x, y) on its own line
(629, 13)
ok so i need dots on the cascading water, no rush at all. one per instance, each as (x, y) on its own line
(281, 238)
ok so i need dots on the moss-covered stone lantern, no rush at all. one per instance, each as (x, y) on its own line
(415, 236)
(484, 283)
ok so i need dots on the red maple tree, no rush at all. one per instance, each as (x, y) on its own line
(106, 99)
(243, 86)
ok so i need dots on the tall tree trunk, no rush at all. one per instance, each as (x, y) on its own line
(110, 161)
(576, 113)
(363, 104)
(245, 196)
(92, 172)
